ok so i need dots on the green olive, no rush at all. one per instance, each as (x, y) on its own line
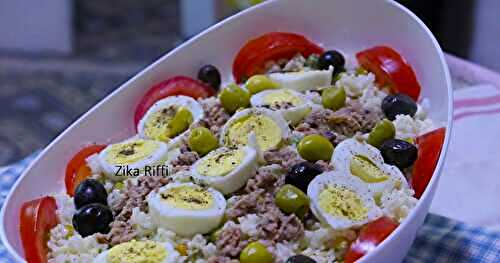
(234, 97)
(214, 236)
(255, 252)
(410, 140)
(179, 123)
(202, 141)
(337, 77)
(315, 147)
(333, 98)
(361, 71)
(382, 132)
(291, 199)
(340, 242)
(378, 198)
(119, 185)
(366, 170)
(258, 83)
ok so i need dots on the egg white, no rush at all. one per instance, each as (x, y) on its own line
(158, 157)
(293, 114)
(347, 149)
(235, 179)
(179, 101)
(186, 222)
(352, 183)
(172, 255)
(303, 80)
(276, 117)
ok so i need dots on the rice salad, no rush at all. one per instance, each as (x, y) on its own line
(300, 158)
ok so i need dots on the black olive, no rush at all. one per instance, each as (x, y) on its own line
(398, 152)
(210, 75)
(332, 58)
(301, 174)
(91, 219)
(90, 191)
(300, 259)
(393, 105)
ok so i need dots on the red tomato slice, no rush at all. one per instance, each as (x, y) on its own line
(390, 69)
(429, 148)
(77, 169)
(179, 85)
(252, 57)
(370, 236)
(37, 217)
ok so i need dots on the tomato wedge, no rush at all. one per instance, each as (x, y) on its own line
(429, 148)
(370, 236)
(37, 217)
(179, 85)
(390, 69)
(77, 169)
(252, 57)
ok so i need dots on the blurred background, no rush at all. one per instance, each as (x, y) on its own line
(59, 57)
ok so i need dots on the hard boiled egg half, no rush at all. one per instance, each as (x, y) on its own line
(361, 160)
(226, 169)
(292, 105)
(139, 251)
(269, 128)
(132, 155)
(169, 119)
(303, 80)
(186, 208)
(342, 201)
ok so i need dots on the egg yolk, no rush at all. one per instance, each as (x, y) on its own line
(342, 202)
(366, 170)
(188, 197)
(282, 96)
(167, 123)
(137, 252)
(267, 132)
(130, 152)
(221, 164)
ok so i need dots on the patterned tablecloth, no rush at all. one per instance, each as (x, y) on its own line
(441, 239)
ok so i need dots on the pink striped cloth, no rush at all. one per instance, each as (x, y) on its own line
(469, 189)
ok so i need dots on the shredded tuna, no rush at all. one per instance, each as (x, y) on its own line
(135, 196)
(281, 227)
(286, 157)
(215, 115)
(268, 178)
(324, 165)
(117, 200)
(277, 226)
(221, 259)
(341, 124)
(245, 204)
(121, 232)
(230, 241)
(185, 159)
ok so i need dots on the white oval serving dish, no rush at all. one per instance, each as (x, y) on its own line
(348, 25)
